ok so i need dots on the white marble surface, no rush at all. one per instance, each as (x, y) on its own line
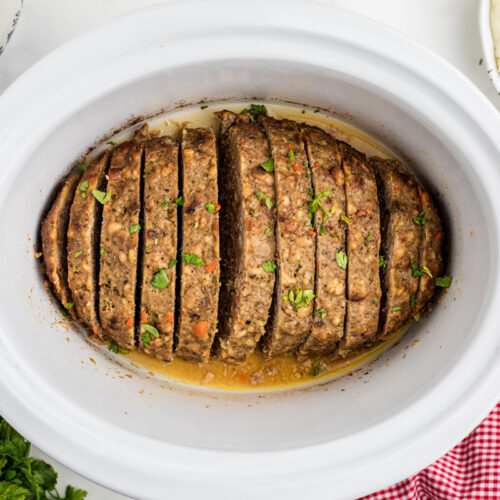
(447, 27)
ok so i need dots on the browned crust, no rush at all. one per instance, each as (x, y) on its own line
(363, 242)
(401, 238)
(118, 248)
(431, 254)
(199, 287)
(247, 232)
(289, 326)
(159, 244)
(83, 237)
(54, 241)
(330, 287)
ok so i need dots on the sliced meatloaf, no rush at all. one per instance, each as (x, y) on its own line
(291, 312)
(54, 241)
(329, 205)
(159, 247)
(83, 243)
(119, 244)
(199, 290)
(247, 233)
(363, 242)
(400, 247)
(431, 257)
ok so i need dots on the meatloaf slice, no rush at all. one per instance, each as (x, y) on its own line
(328, 182)
(291, 311)
(401, 237)
(431, 257)
(54, 240)
(247, 232)
(199, 290)
(119, 244)
(159, 247)
(363, 242)
(83, 243)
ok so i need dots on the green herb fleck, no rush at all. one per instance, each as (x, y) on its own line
(382, 264)
(416, 317)
(112, 143)
(341, 259)
(417, 272)
(345, 218)
(413, 302)
(374, 301)
(190, 258)
(103, 252)
(82, 167)
(269, 266)
(77, 254)
(444, 281)
(101, 196)
(180, 201)
(420, 220)
(160, 279)
(172, 263)
(268, 165)
(321, 312)
(196, 225)
(255, 110)
(83, 188)
(316, 110)
(146, 339)
(316, 369)
(133, 229)
(299, 298)
(394, 309)
(369, 237)
(480, 61)
(262, 197)
(115, 347)
(164, 204)
(211, 207)
(291, 155)
(151, 329)
(204, 106)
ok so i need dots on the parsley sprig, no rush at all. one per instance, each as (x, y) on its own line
(299, 298)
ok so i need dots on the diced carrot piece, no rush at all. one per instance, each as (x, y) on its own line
(217, 207)
(95, 330)
(297, 167)
(242, 377)
(290, 146)
(144, 317)
(130, 322)
(170, 317)
(312, 233)
(211, 267)
(200, 329)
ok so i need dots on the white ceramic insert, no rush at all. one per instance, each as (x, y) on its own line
(149, 438)
(488, 43)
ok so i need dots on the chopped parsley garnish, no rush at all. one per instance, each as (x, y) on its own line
(304, 163)
(417, 272)
(211, 207)
(316, 110)
(369, 237)
(262, 197)
(204, 106)
(291, 155)
(382, 264)
(164, 204)
(151, 329)
(374, 301)
(65, 313)
(77, 254)
(320, 311)
(180, 201)
(315, 203)
(146, 339)
(69, 305)
(394, 309)
(268, 165)
(255, 110)
(420, 220)
(196, 225)
(444, 281)
(172, 263)
(112, 143)
(413, 302)
(416, 317)
(269, 266)
(160, 279)
(341, 259)
(83, 166)
(480, 61)
(345, 218)
(190, 258)
(101, 196)
(115, 347)
(103, 252)
(316, 369)
(133, 229)
(83, 188)
(299, 298)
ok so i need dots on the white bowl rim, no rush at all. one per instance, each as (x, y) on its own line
(404, 460)
(488, 43)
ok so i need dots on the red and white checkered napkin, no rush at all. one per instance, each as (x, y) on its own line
(470, 471)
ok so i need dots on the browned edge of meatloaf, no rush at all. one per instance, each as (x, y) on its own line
(119, 245)
(156, 296)
(431, 255)
(247, 236)
(290, 318)
(400, 245)
(330, 282)
(83, 243)
(363, 243)
(200, 256)
(54, 242)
